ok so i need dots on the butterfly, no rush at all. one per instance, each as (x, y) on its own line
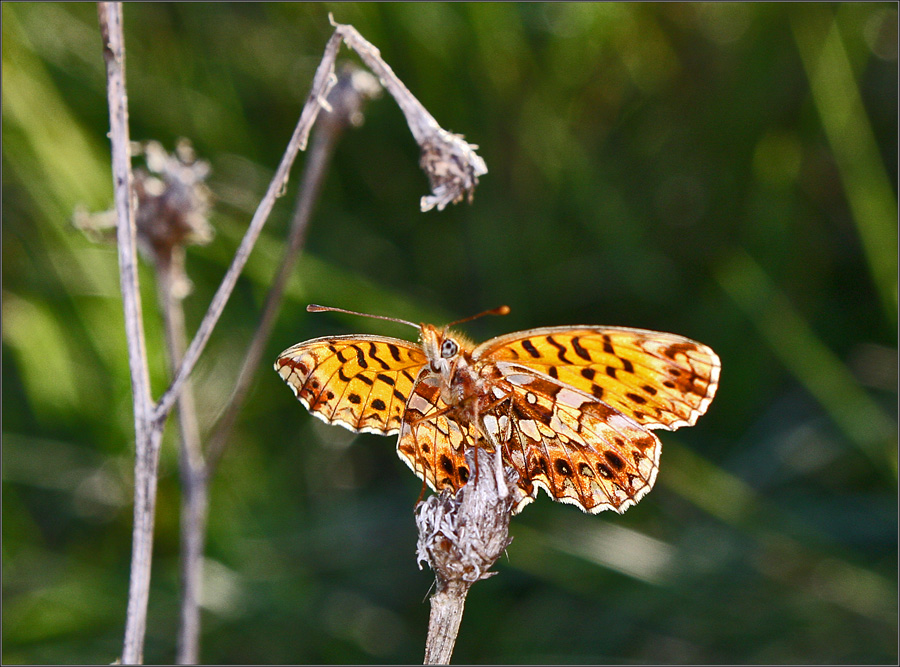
(572, 409)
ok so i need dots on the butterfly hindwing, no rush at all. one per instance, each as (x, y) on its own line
(659, 380)
(360, 382)
(578, 449)
(433, 441)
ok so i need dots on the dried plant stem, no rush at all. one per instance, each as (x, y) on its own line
(451, 164)
(447, 607)
(322, 83)
(194, 509)
(313, 176)
(345, 100)
(170, 271)
(147, 436)
(461, 536)
(149, 419)
(197, 469)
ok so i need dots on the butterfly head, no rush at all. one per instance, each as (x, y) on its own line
(442, 348)
(445, 349)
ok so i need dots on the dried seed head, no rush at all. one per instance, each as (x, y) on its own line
(462, 535)
(453, 168)
(172, 199)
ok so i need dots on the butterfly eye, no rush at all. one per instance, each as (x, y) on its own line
(449, 348)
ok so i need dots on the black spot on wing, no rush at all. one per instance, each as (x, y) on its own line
(579, 350)
(530, 348)
(562, 467)
(561, 349)
(360, 357)
(395, 351)
(607, 345)
(372, 349)
(446, 464)
(645, 443)
(614, 460)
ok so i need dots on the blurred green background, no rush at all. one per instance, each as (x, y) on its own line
(723, 171)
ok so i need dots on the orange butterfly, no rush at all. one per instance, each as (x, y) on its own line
(570, 408)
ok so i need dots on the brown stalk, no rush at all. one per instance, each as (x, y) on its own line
(197, 470)
(461, 536)
(192, 466)
(322, 83)
(353, 88)
(147, 436)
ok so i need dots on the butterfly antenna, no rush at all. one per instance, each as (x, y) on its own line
(314, 308)
(499, 310)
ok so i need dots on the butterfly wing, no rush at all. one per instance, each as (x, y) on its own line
(360, 382)
(433, 440)
(659, 380)
(577, 448)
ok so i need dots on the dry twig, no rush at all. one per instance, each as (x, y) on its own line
(452, 165)
(173, 205)
(461, 536)
(354, 86)
(147, 436)
(322, 83)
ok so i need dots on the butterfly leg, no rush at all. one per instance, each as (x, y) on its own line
(502, 489)
(432, 415)
(424, 474)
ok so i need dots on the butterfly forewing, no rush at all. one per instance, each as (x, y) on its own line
(657, 379)
(360, 382)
